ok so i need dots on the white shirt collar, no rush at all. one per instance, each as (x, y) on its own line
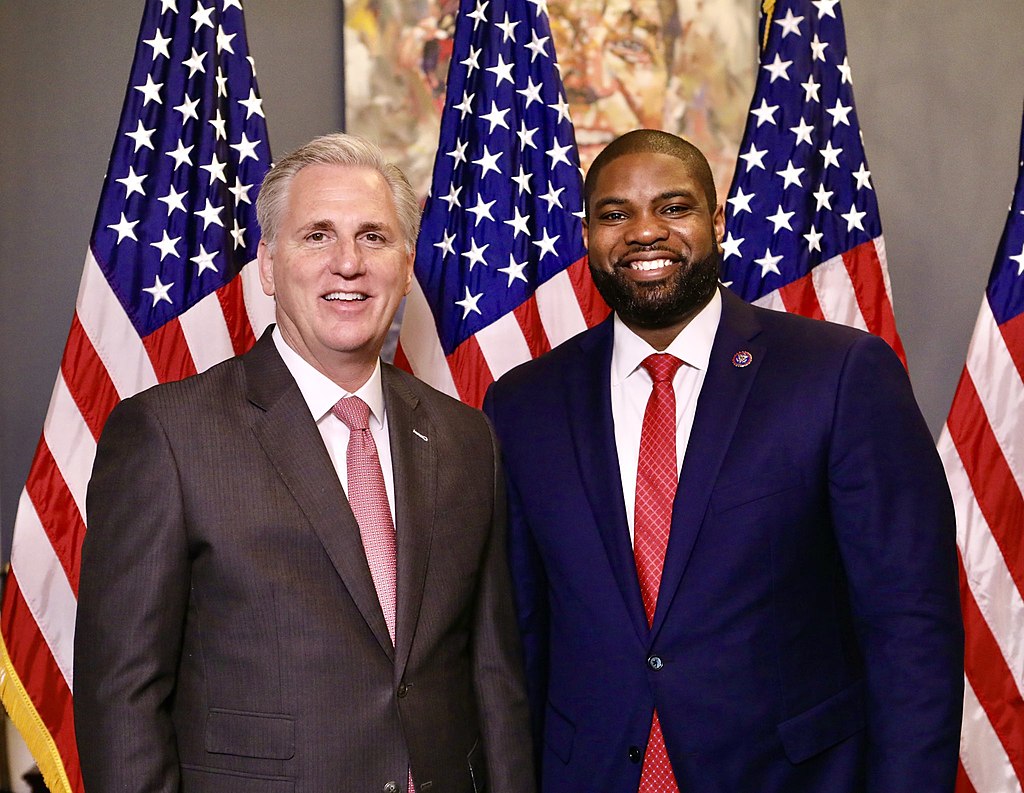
(692, 345)
(321, 393)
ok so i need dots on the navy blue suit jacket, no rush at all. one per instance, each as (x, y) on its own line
(807, 635)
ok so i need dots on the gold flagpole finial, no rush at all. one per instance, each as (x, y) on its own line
(768, 7)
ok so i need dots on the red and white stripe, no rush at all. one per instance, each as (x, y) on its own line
(561, 307)
(982, 449)
(104, 361)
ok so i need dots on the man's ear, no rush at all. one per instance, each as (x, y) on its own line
(265, 260)
(586, 234)
(718, 220)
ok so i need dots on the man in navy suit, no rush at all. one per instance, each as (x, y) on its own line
(805, 634)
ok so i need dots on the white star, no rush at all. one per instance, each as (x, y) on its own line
(825, 7)
(141, 136)
(182, 155)
(844, 71)
(168, 5)
(204, 260)
(523, 181)
(536, 45)
(475, 254)
(778, 68)
(241, 192)
(831, 155)
(222, 83)
(159, 291)
(765, 113)
(496, 118)
(541, 6)
(124, 228)
(477, 14)
(202, 16)
(188, 109)
(195, 63)
(246, 148)
(469, 303)
(151, 91)
(531, 93)
(823, 197)
(780, 219)
(853, 218)
(731, 246)
(219, 126)
(132, 183)
(210, 214)
(818, 48)
(447, 249)
(754, 158)
(840, 113)
(465, 106)
(216, 170)
(508, 29)
(789, 23)
(1019, 258)
(501, 71)
(811, 89)
(252, 104)
(546, 244)
(459, 152)
(518, 224)
(741, 201)
(488, 161)
(232, 4)
(224, 40)
(552, 197)
(453, 196)
(167, 246)
(173, 200)
(159, 45)
(813, 238)
(863, 177)
(790, 175)
(238, 234)
(557, 154)
(526, 136)
(562, 108)
(481, 210)
(514, 270)
(472, 61)
(768, 263)
(802, 131)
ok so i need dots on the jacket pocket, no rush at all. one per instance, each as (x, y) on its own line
(198, 778)
(477, 761)
(265, 735)
(732, 494)
(823, 726)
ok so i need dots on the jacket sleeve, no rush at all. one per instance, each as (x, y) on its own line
(895, 527)
(132, 601)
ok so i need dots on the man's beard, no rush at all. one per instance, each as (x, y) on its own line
(661, 303)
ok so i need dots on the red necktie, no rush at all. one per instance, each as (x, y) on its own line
(369, 501)
(656, 478)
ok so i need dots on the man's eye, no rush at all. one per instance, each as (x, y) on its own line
(317, 236)
(613, 216)
(675, 209)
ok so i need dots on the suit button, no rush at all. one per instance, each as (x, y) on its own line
(635, 755)
(403, 689)
(391, 787)
(655, 662)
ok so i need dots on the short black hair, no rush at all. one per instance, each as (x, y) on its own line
(653, 141)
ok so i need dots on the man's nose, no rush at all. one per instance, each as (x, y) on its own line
(587, 78)
(346, 259)
(645, 228)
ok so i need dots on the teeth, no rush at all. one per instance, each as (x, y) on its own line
(654, 264)
(348, 296)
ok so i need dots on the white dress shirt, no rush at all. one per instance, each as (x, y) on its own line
(631, 387)
(321, 393)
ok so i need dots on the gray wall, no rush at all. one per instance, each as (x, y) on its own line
(939, 87)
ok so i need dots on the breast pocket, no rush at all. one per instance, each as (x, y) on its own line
(736, 493)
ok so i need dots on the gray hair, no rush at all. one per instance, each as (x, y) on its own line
(336, 149)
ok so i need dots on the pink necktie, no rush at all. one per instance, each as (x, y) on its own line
(656, 479)
(369, 501)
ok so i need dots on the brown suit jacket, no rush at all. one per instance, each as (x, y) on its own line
(229, 636)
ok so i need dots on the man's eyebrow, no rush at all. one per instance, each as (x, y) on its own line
(668, 195)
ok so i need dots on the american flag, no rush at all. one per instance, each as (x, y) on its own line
(803, 230)
(165, 293)
(501, 271)
(982, 449)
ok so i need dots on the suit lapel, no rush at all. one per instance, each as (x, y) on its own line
(722, 397)
(589, 410)
(415, 466)
(292, 443)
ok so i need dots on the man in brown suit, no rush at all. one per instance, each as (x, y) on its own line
(242, 624)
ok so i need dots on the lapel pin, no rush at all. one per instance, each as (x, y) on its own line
(742, 359)
(421, 436)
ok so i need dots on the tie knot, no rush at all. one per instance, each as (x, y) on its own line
(661, 366)
(354, 412)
